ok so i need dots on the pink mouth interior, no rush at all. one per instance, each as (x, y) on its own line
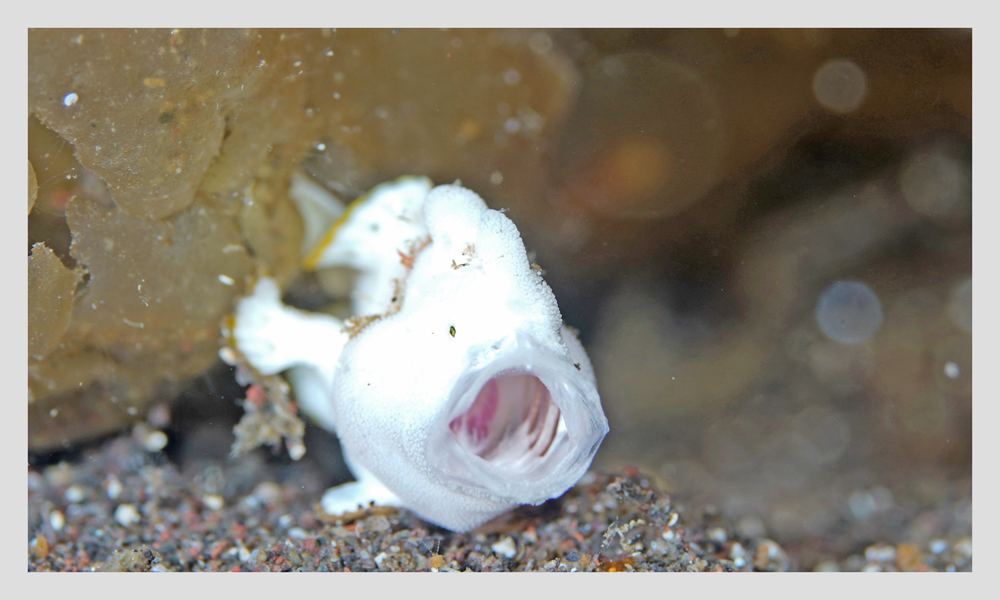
(512, 421)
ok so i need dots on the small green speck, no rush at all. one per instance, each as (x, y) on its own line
(451, 330)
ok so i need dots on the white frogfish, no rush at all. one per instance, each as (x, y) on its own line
(456, 390)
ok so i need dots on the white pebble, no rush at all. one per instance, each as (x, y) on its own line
(115, 487)
(505, 547)
(74, 494)
(880, 553)
(127, 514)
(70, 99)
(267, 492)
(155, 441)
(296, 451)
(963, 547)
(213, 501)
(737, 551)
(529, 537)
(57, 520)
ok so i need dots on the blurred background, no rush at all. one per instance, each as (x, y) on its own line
(764, 237)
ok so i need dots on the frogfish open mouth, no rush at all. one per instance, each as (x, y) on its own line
(456, 390)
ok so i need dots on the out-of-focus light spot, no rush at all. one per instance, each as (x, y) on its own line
(953, 357)
(951, 370)
(70, 99)
(840, 85)
(629, 171)
(614, 67)
(751, 527)
(936, 184)
(573, 233)
(849, 312)
(867, 503)
(960, 307)
(820, 435)
(469, 129)
(842, 369)
(540, 42)
(511, 77)
(662, 140)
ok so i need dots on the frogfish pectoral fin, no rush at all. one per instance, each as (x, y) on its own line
(348, 497)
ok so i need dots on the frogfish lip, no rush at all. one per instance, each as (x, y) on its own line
(522, 424)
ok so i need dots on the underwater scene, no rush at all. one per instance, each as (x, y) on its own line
(500, 300)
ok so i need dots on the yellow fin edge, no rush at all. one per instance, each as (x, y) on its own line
(310, 262)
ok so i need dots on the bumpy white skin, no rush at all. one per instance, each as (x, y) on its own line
(373, 232)
(472, 398)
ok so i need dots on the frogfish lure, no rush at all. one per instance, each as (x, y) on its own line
(456, 390)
